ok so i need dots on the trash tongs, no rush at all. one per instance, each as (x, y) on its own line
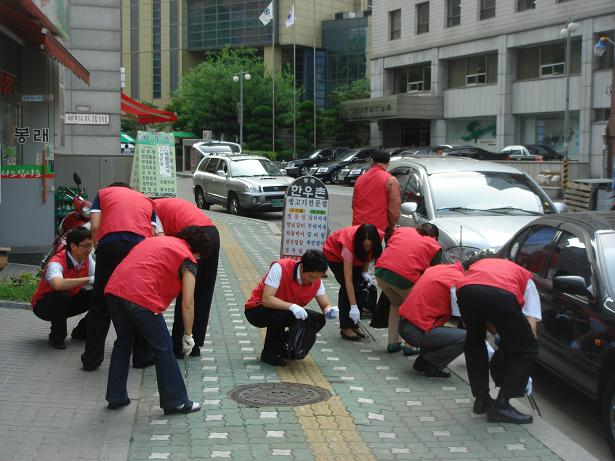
(365, 331)
(186, 365)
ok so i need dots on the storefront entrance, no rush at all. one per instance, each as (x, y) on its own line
(405, 132)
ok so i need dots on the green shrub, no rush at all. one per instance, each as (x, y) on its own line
(19, 287)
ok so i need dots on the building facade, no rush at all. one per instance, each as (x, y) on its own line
(490, 73)
(163, 39)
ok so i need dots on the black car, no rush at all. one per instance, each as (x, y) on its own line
(473, 152)
(546, 152)
(349, 174)
(572, 259)
(329, 171)
(301, 167)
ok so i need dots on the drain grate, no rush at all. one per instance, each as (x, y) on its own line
(278, 394)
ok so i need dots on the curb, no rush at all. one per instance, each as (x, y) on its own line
(14, 304)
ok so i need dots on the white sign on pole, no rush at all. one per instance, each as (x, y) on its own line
(305, 221)
(86, 119)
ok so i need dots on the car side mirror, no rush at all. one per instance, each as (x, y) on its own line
(572, 284)
(221, 173)
(284, 172)
(560, 207)
(409, 209)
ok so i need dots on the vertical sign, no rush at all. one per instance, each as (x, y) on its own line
(153, 164)
(305, 220)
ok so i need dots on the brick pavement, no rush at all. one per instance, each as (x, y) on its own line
(379, 409)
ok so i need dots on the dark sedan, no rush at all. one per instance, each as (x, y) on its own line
(328, 172)
(349, 174)
(301, 166)
(473, 152)
(572, 259)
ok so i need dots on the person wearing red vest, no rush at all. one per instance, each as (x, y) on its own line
(139, 291)
(60, 293)
(423, 315)
(408, 253)
(501, 293)
(349, 252)
(280, 298)
(175, 214)
(376, 199)
(120, 218)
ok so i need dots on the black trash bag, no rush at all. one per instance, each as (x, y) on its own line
(367, 297)
(380, 318)
(301, 336)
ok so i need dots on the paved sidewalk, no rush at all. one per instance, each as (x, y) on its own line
(379, 409)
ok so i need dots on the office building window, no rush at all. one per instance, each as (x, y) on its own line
(156, 54)
(523, 5)
(487, 9)
(134, 48)
(453, 13)
(412, 79)
(394, 25)
(605, 61)
(422, 18)
(174, 45)
(547, 61)
(478, 70)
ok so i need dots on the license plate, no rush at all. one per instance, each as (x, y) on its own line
(355, 172)
(277, 203)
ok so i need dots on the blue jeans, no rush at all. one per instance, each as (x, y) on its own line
(128, 319)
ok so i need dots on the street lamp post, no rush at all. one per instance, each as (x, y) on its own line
(568, 29)
(599, 50)
(240, 77)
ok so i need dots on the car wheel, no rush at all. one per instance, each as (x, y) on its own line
(608, 407)
(199, 198)
(233, 205)
(303, 171)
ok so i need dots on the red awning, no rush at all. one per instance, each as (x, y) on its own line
(146, 114)
(29, 23)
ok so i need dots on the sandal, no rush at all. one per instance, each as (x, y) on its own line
(188, 407)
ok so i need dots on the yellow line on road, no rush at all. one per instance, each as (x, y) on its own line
(328, 426)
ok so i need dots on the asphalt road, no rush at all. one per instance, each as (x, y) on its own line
(567, 409)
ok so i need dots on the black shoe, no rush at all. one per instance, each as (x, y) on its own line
(116, 405)
(78, 334)
(481, 405)
(188, 407)
(147, 363)
(88, 366)
(57, 344)
(356, 337)
(507, 415)
(273, 359)
(196, 352)
(422, 366)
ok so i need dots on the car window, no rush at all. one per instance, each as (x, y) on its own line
(203, 165)
(607, 250)
(364, 154)
(414, 192)
(327, 153)
(570, 258)
(533, 252)
(402, 174)
(254, 167)
(212, 166)
(223, 166)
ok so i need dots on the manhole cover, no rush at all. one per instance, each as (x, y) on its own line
(278, 394)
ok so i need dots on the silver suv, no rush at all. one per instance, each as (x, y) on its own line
(241, 183)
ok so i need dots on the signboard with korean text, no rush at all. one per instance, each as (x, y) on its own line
(85, 118)
(153, 164)
(305, 220)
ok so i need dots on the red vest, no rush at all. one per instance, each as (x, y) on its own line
(408, 253)
(429, 303)
(342, 238)
(290, 290)
(370, 200)
(499, 273)
(125, 210)
(176, 213)
(149, 274)
(69, 272)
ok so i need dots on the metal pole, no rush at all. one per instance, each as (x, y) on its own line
(314, 71)
(275, 12)
(566, 107)
(241, 109)
(294, 91)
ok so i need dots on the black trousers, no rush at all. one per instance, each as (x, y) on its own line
(57, 306)
(108, 257)
(276, 321)
(203, 295)
(479, 304)
(343, 303)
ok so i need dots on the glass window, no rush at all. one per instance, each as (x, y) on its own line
(253, 167)
(552, 59)
(453, 13)
(203, 165)
(212, 166)
(570, 258)
(422, 18)
(534, 251)
(414, 192)
(607, 250)
(523, 5)
(156, 67)
(478, 70)
(528, 63)
(412, 79)
(457, 73)
(548, 60)
(394, 25)
(487, 9)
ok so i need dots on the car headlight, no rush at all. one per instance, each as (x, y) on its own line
(255, 189)
(460, 253)
(290, 165)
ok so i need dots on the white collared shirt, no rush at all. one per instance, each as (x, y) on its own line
(275, 275)
(55, 270)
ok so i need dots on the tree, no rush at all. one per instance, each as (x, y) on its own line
(338, 130)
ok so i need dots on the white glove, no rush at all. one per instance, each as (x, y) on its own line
(368, 277)
(91, 280)
(332, 312)
(299, 312)
(187, 344)
(354, 314)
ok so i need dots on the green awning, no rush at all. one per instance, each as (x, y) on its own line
(127, 138)
(183, 134)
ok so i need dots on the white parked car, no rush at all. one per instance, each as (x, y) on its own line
(520, 153)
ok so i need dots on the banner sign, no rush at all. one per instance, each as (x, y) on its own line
(153, 164)
(305, 220)
(25, 171)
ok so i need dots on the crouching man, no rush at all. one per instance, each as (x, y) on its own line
(61, 293)
(423, 315)
(279, 299)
